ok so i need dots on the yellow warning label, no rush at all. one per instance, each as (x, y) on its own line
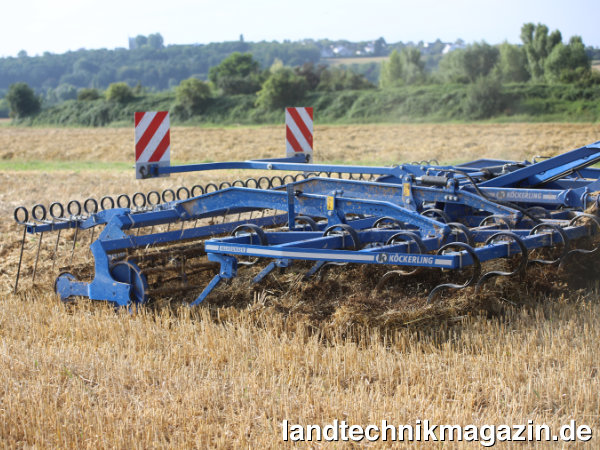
(330, 203)
(406, 190)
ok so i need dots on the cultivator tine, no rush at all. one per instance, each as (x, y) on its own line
(74, 244)
(314, 269)
(590, 219)
(20, 260)
(521, 267)
(37, 257)
(476, 268)
(92, 239)
(55, 254)
(550, 229)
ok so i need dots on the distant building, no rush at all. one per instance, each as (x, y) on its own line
(132, 43)
(340, 50)
(326, 52)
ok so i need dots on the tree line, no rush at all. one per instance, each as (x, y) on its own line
(542, 58)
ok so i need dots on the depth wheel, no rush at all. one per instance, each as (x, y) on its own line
(61, 283)
(129, 273)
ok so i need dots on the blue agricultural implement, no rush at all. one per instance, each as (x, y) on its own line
(409, 218)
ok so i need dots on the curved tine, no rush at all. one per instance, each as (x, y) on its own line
(386, 276)
(409, 236)
(320, 272)
(307, 221)
(391, 223)
(262, 237)
(433, 211)
(433, 162)
(412, 236)
(348, 229)
(458, 228)
(593, 219)
(521, 267)
(538, 212)
(470, 281)
(564, 237)
(253, 229)
(497, 220)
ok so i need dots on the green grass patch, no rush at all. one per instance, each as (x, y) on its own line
(51, 166)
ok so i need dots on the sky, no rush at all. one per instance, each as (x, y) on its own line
(57, 26)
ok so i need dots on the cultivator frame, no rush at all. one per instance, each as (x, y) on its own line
(410, 218)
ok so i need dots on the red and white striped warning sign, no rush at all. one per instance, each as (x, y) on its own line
(152, 141)
(299, 131)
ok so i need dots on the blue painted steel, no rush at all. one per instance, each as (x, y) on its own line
(407, 200)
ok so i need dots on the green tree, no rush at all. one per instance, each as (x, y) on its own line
(119, 93)
(512, 64)
(413, 67)
(391, 71)
(567, 63)
(340, 79)
(4, 108)
(155, 41)
(468, 64)
(88, 94)
(191, 96)
(239, 73)
(22, 101)
(311, 73)
(484, 98)
(283, 88)
(140, 41)
(538, 45)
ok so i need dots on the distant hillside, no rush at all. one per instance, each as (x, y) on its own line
(157, 67)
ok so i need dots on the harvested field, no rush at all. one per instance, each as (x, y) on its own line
(227, 373)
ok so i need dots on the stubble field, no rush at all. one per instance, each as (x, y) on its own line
(228, 373)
